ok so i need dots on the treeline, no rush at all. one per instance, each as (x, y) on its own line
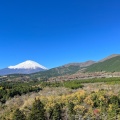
(67, 84)
(96, 80)
(75, 84)
(11, 89)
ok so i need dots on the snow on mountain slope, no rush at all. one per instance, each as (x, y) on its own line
(26, 67)
(29, 64)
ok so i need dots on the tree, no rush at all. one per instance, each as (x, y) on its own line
(38, 111)
(71, 108)
(71, 111)
(18, 115)
(56, 112)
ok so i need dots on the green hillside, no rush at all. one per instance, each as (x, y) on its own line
(110, 65)
(59, 71)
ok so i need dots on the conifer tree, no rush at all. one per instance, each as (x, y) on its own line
(38, 111)
(56, 112)
(71, 108)
(71, 111)
(18, 115)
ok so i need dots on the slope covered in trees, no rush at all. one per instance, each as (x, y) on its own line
(110, 65)
(59, 71)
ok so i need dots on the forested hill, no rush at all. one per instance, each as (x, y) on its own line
(109, 65)
(59, 71)
(62, 70)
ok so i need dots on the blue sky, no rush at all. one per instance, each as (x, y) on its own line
(56, 32)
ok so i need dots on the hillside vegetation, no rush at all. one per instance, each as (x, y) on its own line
(110, 65)
(10, 89)
(59, 71)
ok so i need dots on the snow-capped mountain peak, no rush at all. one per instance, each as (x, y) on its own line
(29, 64)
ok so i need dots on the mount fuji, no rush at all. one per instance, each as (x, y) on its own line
(26, 67)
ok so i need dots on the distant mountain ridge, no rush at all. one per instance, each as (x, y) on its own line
(26, 67)
(67, 69)
(108, 64)
(82, 64)
(109, 57)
